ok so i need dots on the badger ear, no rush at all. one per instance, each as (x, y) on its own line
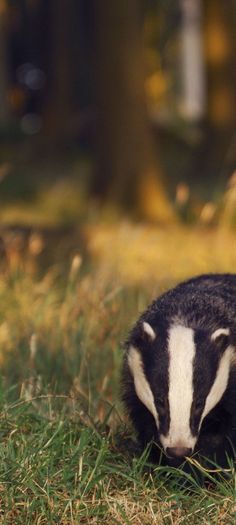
(220, 334)
(148, 330)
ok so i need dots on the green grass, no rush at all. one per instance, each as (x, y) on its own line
(58, 469)
(67, 452)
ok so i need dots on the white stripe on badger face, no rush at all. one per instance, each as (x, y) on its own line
(181, 349)
(141, 384)
(220, 384)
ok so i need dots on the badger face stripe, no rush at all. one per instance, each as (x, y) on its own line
(220, 384)
(141, 384)
(181, 349)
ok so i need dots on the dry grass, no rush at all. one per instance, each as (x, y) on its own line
(143, 254)
(60, 356)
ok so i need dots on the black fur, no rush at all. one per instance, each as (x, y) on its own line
(204, 303)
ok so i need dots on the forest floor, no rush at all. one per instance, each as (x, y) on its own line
(67, 452)
(72, 282)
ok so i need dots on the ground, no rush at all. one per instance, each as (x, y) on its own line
(67, 300)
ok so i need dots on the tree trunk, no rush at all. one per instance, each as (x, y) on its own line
(193, 99)
(59, 106)
(4, 80)
(215, 159)
(220, 56)
(128, 171)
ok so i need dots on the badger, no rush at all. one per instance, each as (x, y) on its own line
(179, 371)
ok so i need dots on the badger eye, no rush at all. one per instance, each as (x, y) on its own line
(161, 404)
(198, 405)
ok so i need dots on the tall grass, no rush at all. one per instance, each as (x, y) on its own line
(67, 452)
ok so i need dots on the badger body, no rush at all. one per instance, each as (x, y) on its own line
(179, 372)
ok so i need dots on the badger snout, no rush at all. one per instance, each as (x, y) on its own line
(178, 452)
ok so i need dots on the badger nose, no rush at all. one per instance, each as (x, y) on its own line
(178, 452)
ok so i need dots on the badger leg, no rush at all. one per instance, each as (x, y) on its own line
(217, 441)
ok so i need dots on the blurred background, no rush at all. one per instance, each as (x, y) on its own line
(117, 171)
(127, 107)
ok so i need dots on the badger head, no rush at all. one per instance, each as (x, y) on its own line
(180, 375)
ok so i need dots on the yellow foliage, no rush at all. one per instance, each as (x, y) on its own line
(143, 254)
(3, 7)
(152, 201)
(156, 86)
(217, 43)
(221, 103)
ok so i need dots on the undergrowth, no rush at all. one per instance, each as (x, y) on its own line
(67, 453)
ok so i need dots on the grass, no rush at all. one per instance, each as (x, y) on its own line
(67, 453)
(61, 470)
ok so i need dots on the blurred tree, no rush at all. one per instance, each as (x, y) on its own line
(4, 80)
(220, 56)
(215, 158)
(128, 171)
(59, 107)
(193, 93)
